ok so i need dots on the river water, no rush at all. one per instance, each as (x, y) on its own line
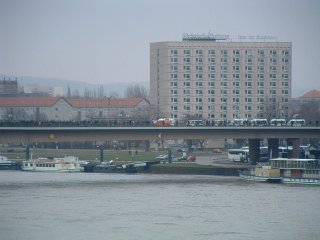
(119, 206)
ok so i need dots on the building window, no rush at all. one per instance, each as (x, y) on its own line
(224, 69)
(261, 53)
(236, 53)
(224, 77)
(211, 52)
(186, 84)
(174, 76)
(199, 68)
(174, 84)
(199, 52)
(249, 52)
(199, 60)
(199, 76)
(186, 52)
(224, 61)
(273, 53)
(186, 68)
(273, 76)
(236, 92)
(261, 61)
(199, 92)
(236, 84)
(186, 60)
(248, 100)
(174, 92)
(211, 60)
(211, 92)
(236, 76)
(261, 69)
(199, 108)
(211, 84)
(212, 76)
(273, 92)
(174, 108)
(211, 100)
(224, 84)
(174, 68)
(224, 53)
(249, 69)
(273, 61)
(186, 76)
(248, 92)
(224, 92)
(174, 60)
(212, 68)
(174, 52)
(236, 61)
(199, 84)
(261, 76)
(273, 84)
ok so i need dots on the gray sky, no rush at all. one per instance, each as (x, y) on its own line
(102, 41)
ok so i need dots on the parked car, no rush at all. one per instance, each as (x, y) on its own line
(162, 157)
(191, 158)
(182, 158)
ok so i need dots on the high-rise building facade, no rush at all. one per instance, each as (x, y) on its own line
(210, 79)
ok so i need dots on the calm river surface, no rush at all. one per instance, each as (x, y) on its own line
(119, 206)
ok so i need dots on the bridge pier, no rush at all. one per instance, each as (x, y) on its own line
(295, 142)
(254, 150)
(273, 147)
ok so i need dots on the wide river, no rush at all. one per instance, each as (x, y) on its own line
(118, 206)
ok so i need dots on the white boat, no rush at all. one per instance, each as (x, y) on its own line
(65, 164)
(6, 164)
(284, 170)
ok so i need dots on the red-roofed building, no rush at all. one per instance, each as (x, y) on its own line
(311, 96)
(62, 109)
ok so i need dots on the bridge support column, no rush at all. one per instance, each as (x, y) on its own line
(273, 147)
(254, 150)
(295, 143)
(101, 154)
(295, 147)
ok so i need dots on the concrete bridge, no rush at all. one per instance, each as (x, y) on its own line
(81, 134)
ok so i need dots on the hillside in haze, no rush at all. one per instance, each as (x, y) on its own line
(109, 88)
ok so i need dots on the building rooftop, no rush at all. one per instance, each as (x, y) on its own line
(80, 103)
(313, 94)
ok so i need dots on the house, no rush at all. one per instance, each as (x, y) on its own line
(63, 109)
(311, 96)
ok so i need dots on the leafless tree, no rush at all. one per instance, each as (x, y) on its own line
(310, 111)
(136, 90)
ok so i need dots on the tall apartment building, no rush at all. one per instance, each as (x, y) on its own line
(212, 79)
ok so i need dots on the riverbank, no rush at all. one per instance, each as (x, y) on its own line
(196, 169)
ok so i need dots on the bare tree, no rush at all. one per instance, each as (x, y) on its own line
(136, 90)
(310, 111)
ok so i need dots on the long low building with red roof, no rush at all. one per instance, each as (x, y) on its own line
(64, 109)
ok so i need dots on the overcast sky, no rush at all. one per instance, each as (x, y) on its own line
(102, 41)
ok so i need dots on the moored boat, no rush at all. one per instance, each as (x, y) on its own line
(6, 164)
(284, 170)
(65, 164)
